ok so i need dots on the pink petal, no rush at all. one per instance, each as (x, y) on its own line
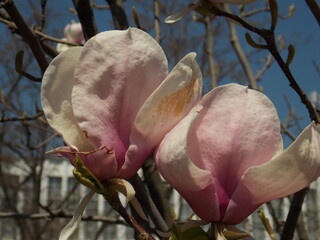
(115, 74)
(173, 162)
(285, 174)
(56, 91)
(167, 105)
(237, 128)
(101, 162)
(172, 158)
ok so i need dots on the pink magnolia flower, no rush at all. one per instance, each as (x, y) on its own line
(226, 156)
(113, 101)
(72, 33)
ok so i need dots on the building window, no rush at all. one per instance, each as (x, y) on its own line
(73, 195)
(54, 192)
(90, 228)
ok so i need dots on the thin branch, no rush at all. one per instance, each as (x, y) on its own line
(209, 49)
(156, 12)
(21, 118)
(240, 54)
(118, 14)
(266, 66)
(314, 8)
(293, 215)
(42, 14)
(52, 52)
(148, 205)
(113, 199)
(26, 33)
(60, 214)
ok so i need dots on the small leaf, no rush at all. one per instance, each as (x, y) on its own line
(252, 43)
(291, 53)
(19, 61)
(84, 176)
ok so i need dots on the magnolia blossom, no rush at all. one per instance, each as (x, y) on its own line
(226, 156)
(202, 3)
(72, 33)
(113, 101)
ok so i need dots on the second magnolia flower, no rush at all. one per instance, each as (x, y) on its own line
(226, 156)
(113, 100)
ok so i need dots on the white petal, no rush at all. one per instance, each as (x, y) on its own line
(177, 16)
(56, 91)
(286, 173)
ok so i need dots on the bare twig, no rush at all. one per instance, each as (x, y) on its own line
(314, 8)
(113, 199)
(60, 214)
(209, 49)
(268, 61)
(293, 215)
(26, 33)
(21, 118)
(148, 205)
(156, 12)
(240, 54)
(118, 14)
(42, 14)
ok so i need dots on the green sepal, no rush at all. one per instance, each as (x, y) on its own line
(19, 61)
(85, 177)
(196, 233)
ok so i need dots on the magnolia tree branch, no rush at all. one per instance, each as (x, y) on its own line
(148, 205)
(314, 8)
(209, 49)
(156, 12)
(42, 14)
(60, 214)
(118, 14)
(26, 33)
(268, 62)
(86, 18)
(114, 201)
(240, 54)
(22, 118)
(293, 215)
(51, 51)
